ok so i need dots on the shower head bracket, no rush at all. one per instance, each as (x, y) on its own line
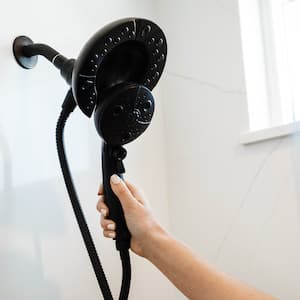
(26, 62)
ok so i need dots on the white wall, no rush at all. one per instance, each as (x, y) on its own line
(236, 206)
(41, 252)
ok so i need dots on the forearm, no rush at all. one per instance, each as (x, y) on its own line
(194, 278)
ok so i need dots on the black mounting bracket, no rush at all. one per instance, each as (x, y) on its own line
(26, 62)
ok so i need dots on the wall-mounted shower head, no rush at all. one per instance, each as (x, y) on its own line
(116, 71)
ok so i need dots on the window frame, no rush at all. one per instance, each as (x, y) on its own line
(270, 108)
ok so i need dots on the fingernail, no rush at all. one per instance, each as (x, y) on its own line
(111, 226)
(115, 179)
(112, 235)
(103, 212)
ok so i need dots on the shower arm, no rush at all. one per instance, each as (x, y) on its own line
(26, 53)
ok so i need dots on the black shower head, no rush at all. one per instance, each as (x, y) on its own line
(114, 73)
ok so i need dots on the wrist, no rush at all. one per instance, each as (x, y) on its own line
(153, 242)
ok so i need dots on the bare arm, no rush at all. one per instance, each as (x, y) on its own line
(194, 278)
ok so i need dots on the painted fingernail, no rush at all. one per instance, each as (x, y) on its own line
(115, 179)
(111, 226)
(103, 212)
(112, 235)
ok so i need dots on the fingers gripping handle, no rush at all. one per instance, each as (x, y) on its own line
(112, 157)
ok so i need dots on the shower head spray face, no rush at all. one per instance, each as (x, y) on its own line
(125, 113)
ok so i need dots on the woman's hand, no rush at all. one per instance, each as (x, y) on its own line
(138, 216)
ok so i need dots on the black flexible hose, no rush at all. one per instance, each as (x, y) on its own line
(67, 108)
(126, 276)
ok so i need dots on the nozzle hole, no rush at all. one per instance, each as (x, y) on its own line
(147, 104)
(118, 110)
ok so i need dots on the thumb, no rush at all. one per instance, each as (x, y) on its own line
(122, 192)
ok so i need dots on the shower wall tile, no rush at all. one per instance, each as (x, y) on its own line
(236, 206)
(204, 41)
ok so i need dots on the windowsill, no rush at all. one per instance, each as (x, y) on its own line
(269, 133)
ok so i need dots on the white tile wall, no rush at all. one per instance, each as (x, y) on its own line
(236, 206)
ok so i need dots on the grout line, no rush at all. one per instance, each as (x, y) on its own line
(243, 201)
(208, 84)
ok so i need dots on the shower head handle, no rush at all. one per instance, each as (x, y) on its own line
(112, 163)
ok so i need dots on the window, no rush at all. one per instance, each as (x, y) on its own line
(271, 47)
